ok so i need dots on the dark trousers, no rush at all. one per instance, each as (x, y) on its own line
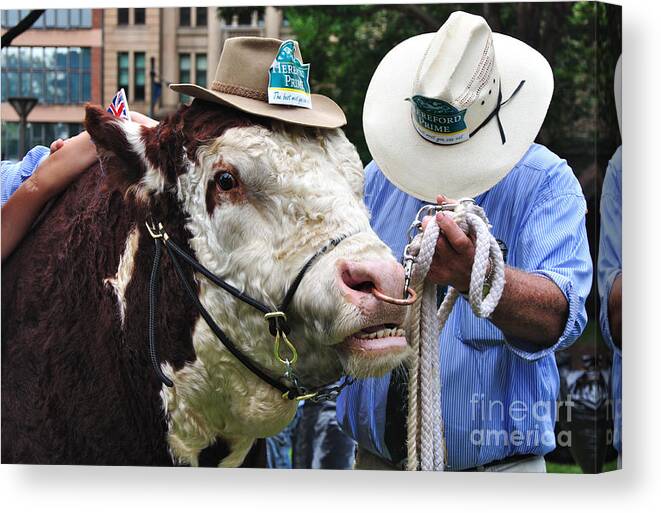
(319, 443)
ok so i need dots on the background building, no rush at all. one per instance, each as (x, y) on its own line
(182, 44)
(57, 61)
(74, 56)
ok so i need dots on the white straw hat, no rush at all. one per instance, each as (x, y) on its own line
(432, 119)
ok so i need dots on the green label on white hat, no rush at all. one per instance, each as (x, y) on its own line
(289, 79)
(438, 121)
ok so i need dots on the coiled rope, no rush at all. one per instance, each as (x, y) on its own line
(426, 440)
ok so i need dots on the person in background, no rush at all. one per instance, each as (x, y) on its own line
(609, 269)
(312, 440)
(456, 112)
(41, 175)
(319, 442)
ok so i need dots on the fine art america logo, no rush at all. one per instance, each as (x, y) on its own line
(519, 423)
(289, 79)
(438, 121)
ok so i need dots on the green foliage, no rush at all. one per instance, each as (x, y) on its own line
(580, 40)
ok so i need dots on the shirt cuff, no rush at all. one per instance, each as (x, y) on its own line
(573, 327)
(604, 320)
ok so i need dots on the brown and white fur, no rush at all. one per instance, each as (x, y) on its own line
(76, 382)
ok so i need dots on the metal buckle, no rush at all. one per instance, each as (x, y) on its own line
(408, 258)
(157, 233)
(281, 336)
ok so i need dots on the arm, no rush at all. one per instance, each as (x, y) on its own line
(543, 304)
(51, 177)
(68, 159)
(531, 308)
(615, 311)
(609, 264)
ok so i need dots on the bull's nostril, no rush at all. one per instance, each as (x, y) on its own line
(361, 285)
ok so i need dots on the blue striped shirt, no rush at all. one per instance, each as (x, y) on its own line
(498, 394)
(609, 266)
(15, 173)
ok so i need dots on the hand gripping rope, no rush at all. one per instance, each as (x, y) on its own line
(426, 441)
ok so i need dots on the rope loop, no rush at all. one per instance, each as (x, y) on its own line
(426, 440)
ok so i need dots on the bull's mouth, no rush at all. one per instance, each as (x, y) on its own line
(376, 340)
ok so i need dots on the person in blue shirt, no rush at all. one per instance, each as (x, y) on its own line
(609, 268)
(609, 281)
(43, 173)
(476, 101)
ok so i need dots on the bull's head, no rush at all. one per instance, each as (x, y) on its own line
(260, 198)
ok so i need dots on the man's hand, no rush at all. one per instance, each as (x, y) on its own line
(615, 311)
(532, 307)
(141, 119)
(455, 251)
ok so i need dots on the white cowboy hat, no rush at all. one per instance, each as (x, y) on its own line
(431, 116)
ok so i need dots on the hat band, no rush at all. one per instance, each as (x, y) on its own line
(237, 90)
(496, 113)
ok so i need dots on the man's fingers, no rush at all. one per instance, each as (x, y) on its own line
(56, 145)
(141, 119)
(440, 199)
(455, 235)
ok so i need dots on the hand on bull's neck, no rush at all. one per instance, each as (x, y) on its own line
(531, 308)
(67, 161)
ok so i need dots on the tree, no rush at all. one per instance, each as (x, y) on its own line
(346, 43)
(20, 27)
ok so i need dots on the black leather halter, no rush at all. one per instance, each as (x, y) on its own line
(276, 318)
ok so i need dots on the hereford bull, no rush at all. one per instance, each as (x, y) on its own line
(251, 199)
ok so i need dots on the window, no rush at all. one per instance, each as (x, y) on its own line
(51, 74)
(139, 16)
(184, 73)
(62, 18)
(201, 16)
(36, 133)
(184, 16)
(123, 71)
(85, 18)
(201, 69)
(122, 16)
(51, 19)
(139, 76)
(11, 18)
(74, 18)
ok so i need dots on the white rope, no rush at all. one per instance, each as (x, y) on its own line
(426, 440)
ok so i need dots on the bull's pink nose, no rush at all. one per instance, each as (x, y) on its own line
(359, 279)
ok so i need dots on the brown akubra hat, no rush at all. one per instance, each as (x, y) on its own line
(242, 81)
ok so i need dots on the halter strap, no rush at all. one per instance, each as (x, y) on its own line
(276, 318)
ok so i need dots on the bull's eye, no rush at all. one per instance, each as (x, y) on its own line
(226, 181)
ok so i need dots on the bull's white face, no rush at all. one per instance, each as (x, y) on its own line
(259, 203)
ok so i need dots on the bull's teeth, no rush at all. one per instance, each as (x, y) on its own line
(386, 332)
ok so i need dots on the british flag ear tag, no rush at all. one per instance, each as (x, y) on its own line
(119, 106)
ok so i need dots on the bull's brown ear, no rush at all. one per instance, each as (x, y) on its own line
(119, 144)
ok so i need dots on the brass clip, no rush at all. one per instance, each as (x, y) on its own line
(157, 233)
